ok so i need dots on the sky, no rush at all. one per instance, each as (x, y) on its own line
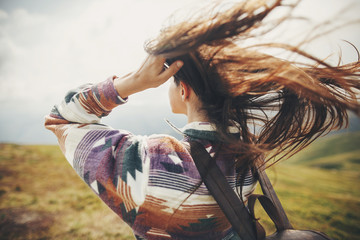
(48, 47)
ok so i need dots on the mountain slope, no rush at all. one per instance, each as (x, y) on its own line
(340, 151)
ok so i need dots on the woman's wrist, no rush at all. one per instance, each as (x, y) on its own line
(126, 86)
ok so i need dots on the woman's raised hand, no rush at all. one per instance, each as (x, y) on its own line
(151, 74)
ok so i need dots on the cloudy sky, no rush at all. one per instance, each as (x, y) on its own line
(48, 47)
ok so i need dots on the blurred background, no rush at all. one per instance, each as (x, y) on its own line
(48, 47)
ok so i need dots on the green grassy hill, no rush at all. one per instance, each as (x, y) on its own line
(41, 197)
(340, 151)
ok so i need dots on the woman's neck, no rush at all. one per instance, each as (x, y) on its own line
(194, 114)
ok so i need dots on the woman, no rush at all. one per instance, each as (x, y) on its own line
(225, 91)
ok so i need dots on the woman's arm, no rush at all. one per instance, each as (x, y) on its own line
(112, 162)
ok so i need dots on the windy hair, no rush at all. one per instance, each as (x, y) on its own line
(279, 106)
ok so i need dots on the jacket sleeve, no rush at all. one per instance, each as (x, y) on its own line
(112, 162)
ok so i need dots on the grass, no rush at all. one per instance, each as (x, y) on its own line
(41, 197)
(342, 150)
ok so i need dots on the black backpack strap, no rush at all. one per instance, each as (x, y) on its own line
(269, 192)
(271, 211)
(235, 211)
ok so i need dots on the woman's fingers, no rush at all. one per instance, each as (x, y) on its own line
(171, 71)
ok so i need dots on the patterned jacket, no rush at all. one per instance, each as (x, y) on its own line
(151, 182)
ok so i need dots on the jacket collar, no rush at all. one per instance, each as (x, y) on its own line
(200, 130)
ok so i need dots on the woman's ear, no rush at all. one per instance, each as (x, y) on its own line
(185, 91)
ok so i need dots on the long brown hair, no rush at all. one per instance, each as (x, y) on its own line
(279, 106)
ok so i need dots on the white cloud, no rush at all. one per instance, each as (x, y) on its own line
(44, 55)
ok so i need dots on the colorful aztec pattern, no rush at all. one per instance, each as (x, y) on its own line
(151, 182)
